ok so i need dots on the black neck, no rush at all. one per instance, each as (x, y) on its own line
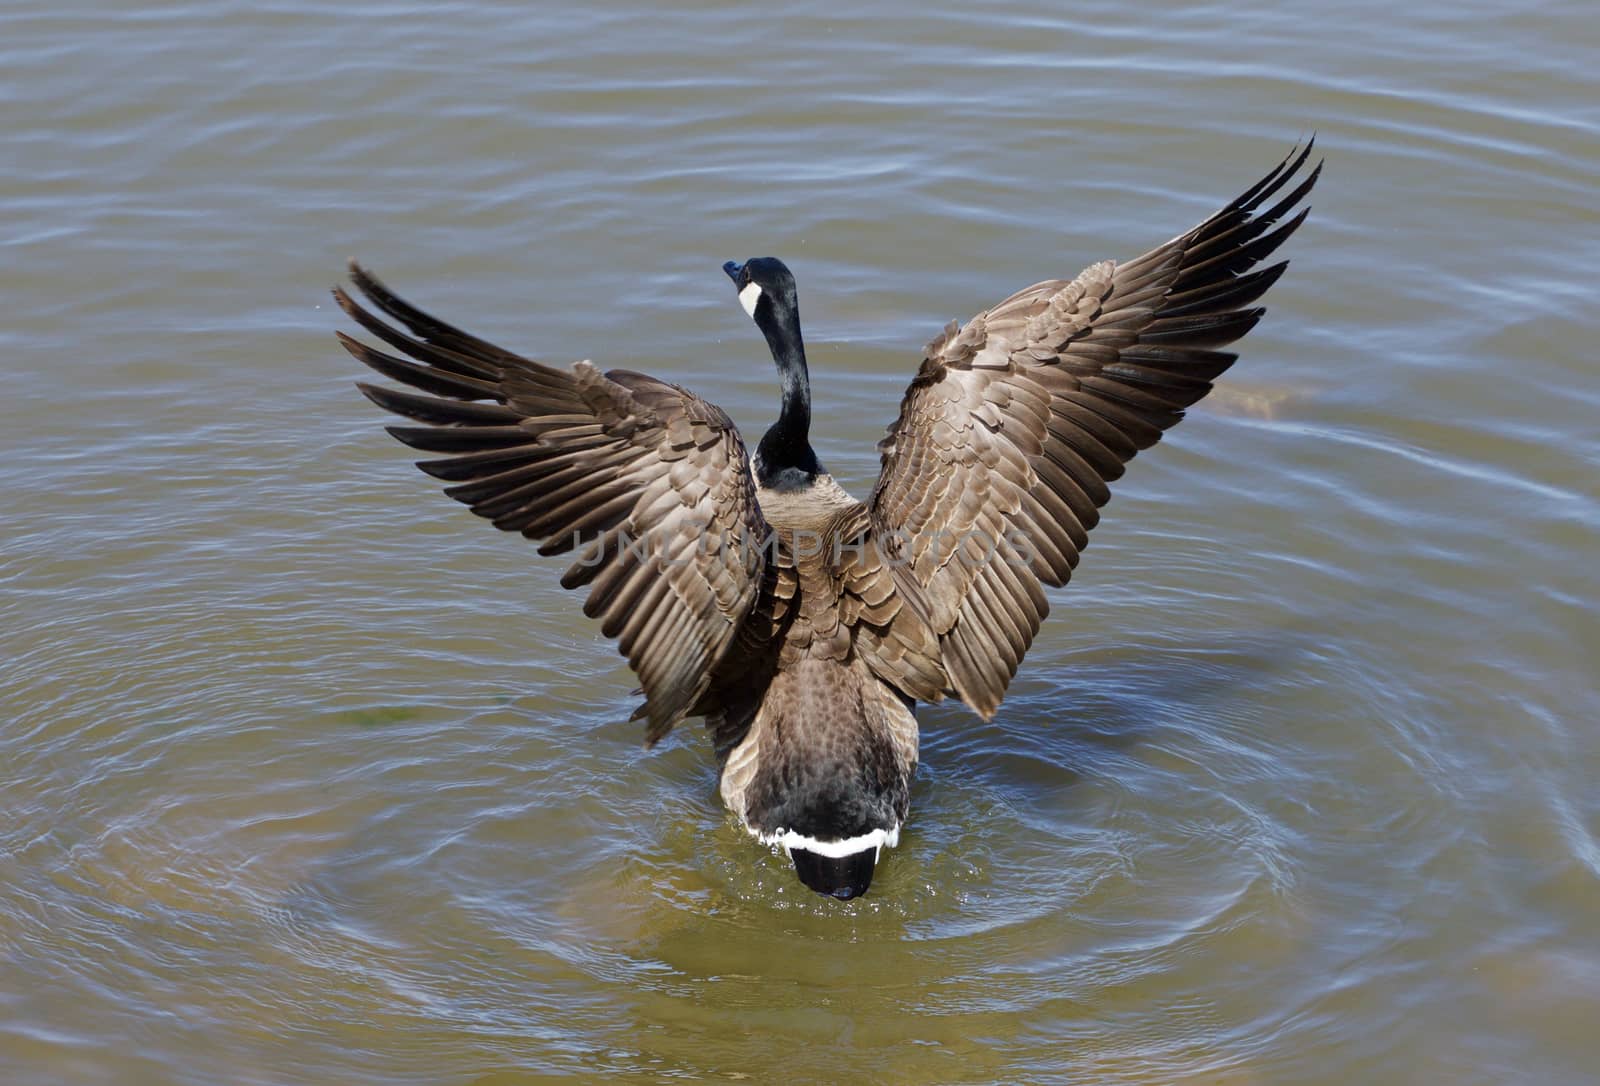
(785, 454)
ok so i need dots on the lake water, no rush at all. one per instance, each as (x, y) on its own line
(308, 776)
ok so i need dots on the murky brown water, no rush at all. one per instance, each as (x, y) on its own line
(309, 777)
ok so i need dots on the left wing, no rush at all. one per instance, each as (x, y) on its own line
(633, 472)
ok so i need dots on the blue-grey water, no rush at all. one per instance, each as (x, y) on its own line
(308, 776)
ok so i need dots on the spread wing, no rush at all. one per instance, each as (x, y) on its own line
(1007, 439)
(634, 474)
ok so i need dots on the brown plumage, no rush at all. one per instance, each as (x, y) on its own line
(588, 461)
(810, 624)
(1017, 422)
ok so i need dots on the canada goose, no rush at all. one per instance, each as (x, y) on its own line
(807, 651)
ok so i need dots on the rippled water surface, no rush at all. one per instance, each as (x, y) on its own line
(309, 777)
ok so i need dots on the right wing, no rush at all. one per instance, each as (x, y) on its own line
(1016, 423)
(635, 473)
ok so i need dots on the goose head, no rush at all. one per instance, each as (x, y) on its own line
(840, 868)
(784, 459)
(766, 290)
(832, 796)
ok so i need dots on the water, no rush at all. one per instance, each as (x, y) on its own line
(308, 776)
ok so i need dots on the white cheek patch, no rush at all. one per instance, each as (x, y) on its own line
(748, 297)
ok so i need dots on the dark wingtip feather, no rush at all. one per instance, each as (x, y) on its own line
(1239, 208)
(459, 439)
(432, 379)
(420, 323)
(1253, 195)
(1226, 295)
(353, 309)
(377, 394)
(1202, 331)
(1266, 244)
(1234, 253)
(439, 412)
(363, 279)
(1275, 180)
(430, 329)
(446, 470)
(1276, 211)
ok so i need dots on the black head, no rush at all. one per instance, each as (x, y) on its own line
(832, 807)
(843, 877)
(766, 288)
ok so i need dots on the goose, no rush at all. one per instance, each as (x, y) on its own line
(750, 589)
